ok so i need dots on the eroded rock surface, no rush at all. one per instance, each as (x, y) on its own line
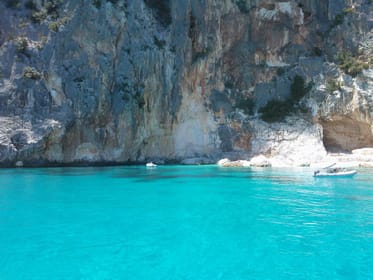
(133, 81)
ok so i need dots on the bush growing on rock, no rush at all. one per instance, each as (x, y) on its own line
(158, 42)
(31, 73)
(298, 88)
(55, 25)
(348, 10)
(50, 9)
(242, 6)
(13, 4)
(246, 104)
(30, 5)
(338, 19)
(350, 64)
(97, 3)
(21, 44)
(162, 10)
(38, 16)
(316, 51)
(276, 110)
(332, 85)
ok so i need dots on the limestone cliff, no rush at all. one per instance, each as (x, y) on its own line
(134, 80)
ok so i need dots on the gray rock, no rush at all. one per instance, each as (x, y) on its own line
(126, 81)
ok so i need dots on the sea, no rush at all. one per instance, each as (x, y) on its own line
(184, 222)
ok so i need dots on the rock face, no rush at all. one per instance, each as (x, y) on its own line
(95, 81)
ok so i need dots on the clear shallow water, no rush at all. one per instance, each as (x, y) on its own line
(177, 222)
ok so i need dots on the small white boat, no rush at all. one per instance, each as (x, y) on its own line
(334, 172)
(150, 164)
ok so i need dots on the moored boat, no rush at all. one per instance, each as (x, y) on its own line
(334, 172)
(151, 164)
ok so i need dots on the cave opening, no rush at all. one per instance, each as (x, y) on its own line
(346, 134)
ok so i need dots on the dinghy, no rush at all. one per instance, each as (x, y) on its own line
(334, 172)
(337, 173)
(150, 164)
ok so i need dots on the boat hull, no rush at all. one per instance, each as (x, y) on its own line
(336, 174)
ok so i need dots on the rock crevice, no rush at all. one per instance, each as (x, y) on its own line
(130, 81)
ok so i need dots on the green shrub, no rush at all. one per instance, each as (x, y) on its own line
(338, 19)
(97, 3)
(21, 44)
(350, 64)
(43, 40)
(159, 42)
(316, 51)
(30, 5)
(55, 25)
(246, 104)
(298, 88)
(162, 10)
(332, 85)
(242, 6)
(23, 24)
(276, 110)
(31, 73)
(52, 8)
(348, 10)
(13, 4)
(39, 16)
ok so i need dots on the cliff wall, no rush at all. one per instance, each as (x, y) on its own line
(129, 81)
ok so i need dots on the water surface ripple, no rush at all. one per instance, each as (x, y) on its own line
(178, 222)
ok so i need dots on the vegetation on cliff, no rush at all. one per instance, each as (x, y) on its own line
(278, 110)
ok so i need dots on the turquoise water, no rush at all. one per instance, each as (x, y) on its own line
(177, 222)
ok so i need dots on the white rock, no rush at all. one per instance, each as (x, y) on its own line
(294, 143)
(246, 163)
(363, 152)
(260, 161)
(238, 163)
(223, 161)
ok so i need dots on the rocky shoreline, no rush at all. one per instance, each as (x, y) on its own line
(358, 158)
